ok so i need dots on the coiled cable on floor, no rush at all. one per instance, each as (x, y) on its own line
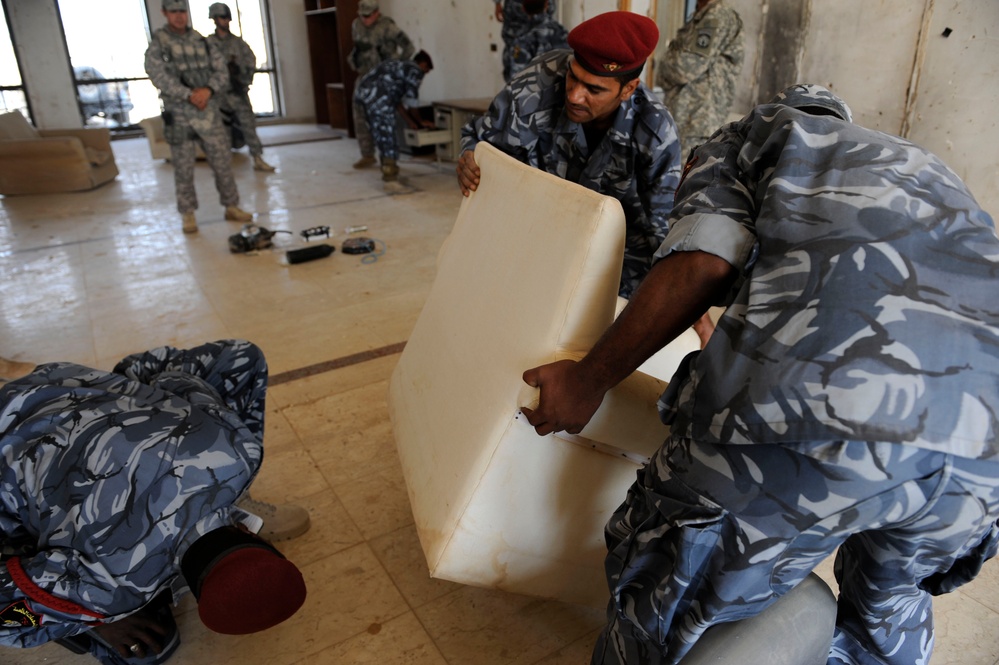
(379, 250)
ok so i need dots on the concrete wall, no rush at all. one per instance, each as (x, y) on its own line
(887, 58)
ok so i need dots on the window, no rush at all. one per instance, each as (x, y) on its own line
(12, 97)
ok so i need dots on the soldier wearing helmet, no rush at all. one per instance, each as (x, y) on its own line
(241, 63)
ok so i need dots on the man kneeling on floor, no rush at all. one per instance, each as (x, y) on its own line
(120, 490)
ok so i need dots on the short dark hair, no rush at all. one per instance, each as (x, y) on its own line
(533, 7)
(423, 56)
(628, 77)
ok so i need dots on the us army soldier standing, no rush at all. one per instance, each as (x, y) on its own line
(699, 71)
(376, 39)
(516, 23)
(188, 73)
(242, 64)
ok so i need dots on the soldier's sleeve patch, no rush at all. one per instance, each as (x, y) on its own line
(19, 615)
(703, 42)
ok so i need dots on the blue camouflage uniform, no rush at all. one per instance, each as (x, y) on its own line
(106, 478)
(637, 162)
(548, 35)
(516, 23)
(379, 92)
(847, 398)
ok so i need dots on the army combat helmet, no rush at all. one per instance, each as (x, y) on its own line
(219, 10)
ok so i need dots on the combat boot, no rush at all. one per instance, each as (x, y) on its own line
(366, 161)
(190, 224)
(237, 214)
(260, 165)
(390, 170)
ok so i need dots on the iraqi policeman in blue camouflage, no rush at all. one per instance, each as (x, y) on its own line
(517, 22)
(191, 76)
(118, 493)
(546, 35)
(700, 70)
(380, 95)
(376, 38)
(242, 64)
(584, 116)
(846, 401)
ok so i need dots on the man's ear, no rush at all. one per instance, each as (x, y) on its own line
(628, 89)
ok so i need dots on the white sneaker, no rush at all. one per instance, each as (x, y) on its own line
(280, 522)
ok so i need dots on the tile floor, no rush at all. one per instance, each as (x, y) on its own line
(90, 277)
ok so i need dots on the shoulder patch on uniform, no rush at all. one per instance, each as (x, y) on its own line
(704, 40)
(19, 615)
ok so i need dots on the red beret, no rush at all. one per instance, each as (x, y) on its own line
(249, 590)
(614, 43)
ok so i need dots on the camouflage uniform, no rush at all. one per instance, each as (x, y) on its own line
(637, 161)
(242, 64)
(516, 23)
(107, 478)
(176, 65)
(384, 40)
(377, 95)
(549, 35)
(700, 70)
(846, 399)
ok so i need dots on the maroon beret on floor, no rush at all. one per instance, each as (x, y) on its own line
(242, 583)
(614, 43)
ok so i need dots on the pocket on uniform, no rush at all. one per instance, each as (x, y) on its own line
(657, 568)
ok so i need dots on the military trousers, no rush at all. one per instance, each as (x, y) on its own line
(714, 533)
(217, 147)
(240, 105)
(365, 141)
(380, 117)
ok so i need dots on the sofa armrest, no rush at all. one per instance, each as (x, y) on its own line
(33, 150)
(96, 137)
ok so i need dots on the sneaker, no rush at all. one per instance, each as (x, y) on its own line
(365, 162)
(280, 522)
(260, 165)
(190, 224)
(236, 214)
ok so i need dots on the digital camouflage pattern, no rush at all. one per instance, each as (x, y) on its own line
(242, 65)
(384, 40)
(106, 478)
(549, 35)
(177, 64)
(846, 398)
(865, 306)
(516, 23)
(712, 533)
(637, 162)
(377, 95)
(700, 70)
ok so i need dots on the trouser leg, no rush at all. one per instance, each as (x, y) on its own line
(365, 141)
(218, 152)
(233, 372)
(247, 122)
(381, 118)
(717, 533)
(182, 156)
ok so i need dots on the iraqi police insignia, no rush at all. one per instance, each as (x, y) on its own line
(612, 66)
(19, 615)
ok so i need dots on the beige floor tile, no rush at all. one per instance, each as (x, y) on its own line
(577, 653)
(302, 394)
(494, 628)
(967, 633)
(331, 530)
(378, 503)
(401, 555)
(288, 476)
(401, 641)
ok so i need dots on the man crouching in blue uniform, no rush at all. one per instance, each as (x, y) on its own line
(118, 492)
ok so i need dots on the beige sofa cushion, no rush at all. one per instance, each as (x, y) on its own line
(14, 126)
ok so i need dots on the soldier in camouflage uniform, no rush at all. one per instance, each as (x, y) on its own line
(568, 116)
(242, 64)
(376, 39)
(846, 400)
(698, 74)
(379, 96)
(547, 35)
(116, 488)
(191, 77)
(516, 23)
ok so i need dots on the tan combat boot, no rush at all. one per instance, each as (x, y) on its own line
(237, 214)
(366, 161)
(390, 170)
(260, 165)
(189, 224)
